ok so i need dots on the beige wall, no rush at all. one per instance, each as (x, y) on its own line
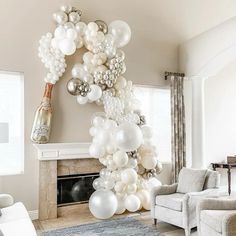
(148, 55)
(220, 114)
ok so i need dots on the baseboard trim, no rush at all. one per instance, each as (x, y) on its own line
(34, 215)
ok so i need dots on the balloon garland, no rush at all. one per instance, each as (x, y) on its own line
(121, 139)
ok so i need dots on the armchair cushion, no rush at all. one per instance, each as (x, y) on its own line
(191, 180)
(173, 201)
(214, 218)
(212, 179)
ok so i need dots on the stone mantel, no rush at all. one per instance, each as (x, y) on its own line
(62, 151)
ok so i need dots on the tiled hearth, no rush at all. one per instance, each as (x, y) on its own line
(58, 160)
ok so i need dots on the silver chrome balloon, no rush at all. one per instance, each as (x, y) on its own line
(102, 26)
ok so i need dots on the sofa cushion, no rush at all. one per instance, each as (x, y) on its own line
(191, 180)
(212, 179)
(213, 218)
(172, 201)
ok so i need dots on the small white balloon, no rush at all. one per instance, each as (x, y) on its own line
(132, 203)
(96, 150)
(80, 27)
(60, 17)
(95, 93)
(74, 17)
(149, 161)
(82, 100)
(121, 206)
(131, 188)
(129, 176)
(67, 46)
(71, 34)
(119, 187)
(97, 121)
(78, 71)
(145, 198)
(120, 158)
(60, 32)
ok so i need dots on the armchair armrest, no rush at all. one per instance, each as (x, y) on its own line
(161, 190)
(229, 225)
(6, 200)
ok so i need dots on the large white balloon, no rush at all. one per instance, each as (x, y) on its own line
(120, 31)
(129, 176)
(149, 161)
(103, 204)
(120, 158)
(132, 203)
(128, 137)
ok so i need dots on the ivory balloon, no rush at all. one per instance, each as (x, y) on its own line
(145, 198)
(121, 32)
(96, 150)
(97, 121)
(95, 93)
(97, 184)
(82, 100)
(128, 137)
(129, 176)
(132, 203)
(131, 188)
(120, 158)
(60, 17)
(121, 206)
(103, 204)
(67, 46)
(149, 162)
(119, 187)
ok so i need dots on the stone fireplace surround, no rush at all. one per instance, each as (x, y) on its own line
(58, 159)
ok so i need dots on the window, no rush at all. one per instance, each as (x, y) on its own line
(11, 123)
(155, 104)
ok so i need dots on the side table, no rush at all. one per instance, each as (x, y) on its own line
(228, 167)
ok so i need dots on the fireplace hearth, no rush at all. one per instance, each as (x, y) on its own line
(75, 189)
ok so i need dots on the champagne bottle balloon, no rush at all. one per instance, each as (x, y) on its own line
(43, 118)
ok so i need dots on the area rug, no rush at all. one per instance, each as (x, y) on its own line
(119, 227)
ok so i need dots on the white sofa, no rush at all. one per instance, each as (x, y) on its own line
(15, 219)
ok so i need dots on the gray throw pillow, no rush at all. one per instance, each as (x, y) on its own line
(191, 180)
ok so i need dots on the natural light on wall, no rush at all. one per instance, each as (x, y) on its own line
(155, 103)
(11, 123)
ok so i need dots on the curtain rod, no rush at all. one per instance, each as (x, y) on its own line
(173, 74)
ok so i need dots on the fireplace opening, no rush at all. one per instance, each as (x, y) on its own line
(75, 189)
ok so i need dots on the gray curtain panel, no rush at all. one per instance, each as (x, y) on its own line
(178, 135)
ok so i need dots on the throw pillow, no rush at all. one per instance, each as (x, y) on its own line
(212, 179)
(191, 180)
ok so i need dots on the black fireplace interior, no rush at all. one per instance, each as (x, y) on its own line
(74, 189)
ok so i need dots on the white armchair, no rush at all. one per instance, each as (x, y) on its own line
(216, 217)
(176, 203)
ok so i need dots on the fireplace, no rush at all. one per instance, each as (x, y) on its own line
(63, 166)
(75, 189)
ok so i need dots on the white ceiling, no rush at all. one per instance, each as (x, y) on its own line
(179, 20)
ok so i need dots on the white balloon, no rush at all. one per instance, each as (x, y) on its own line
(80, 27)
(131, 188)
(149, 161)
(119, 187)
(120, 83)
(77, 71)
(129, 176)
(67, 46)
(110, 124)
(153, 182)
(71, 34)
(97, 121)
(147, 132)
(92, 26)
(109, 183)
(96, 150)
(111, 148)
(60, 32)
(132, 163)
(82, 100)
(128, 137)
(132, 203)
(105, 173)
(145, 198)
(103, 137)
(120, 158)
(60, 17)
(88, 78)
(121, 32)
(95, 93)
(74, 17)
(121, 206)
(103, 204)
(97, 184)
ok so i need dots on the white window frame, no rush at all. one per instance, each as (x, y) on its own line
(156, 87)
(21, 170)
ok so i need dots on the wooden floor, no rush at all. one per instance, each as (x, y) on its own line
(86, 217)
